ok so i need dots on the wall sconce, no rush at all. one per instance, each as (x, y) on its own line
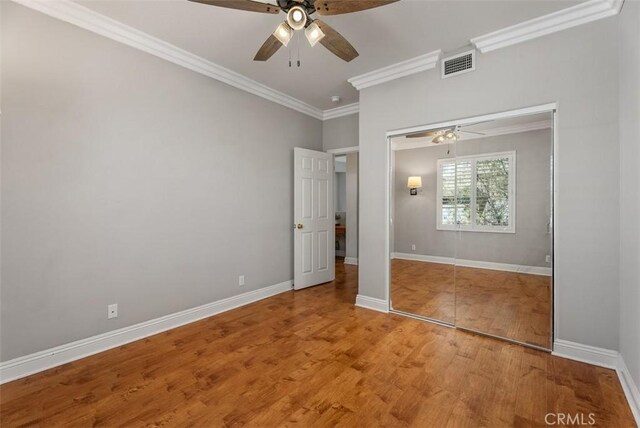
(414, 183)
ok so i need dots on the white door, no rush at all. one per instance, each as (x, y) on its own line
(314, 228)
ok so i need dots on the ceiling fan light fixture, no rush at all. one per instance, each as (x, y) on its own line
(451, 135)
(314, 33)
(439, 139)
(297, 17)
(283, 33)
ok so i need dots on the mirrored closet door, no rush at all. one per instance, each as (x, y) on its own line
(471, 226)
(422, 263)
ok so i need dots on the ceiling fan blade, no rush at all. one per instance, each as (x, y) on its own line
(422, 134)
(268, 48)
(252, 6)
(337, 44)
(337, 7)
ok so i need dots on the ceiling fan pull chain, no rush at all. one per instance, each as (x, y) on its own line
(298, 48)
(289, 49)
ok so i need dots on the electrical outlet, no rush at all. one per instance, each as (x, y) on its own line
(547, 258)
(413, 247)
(241, 280)
(112, 311)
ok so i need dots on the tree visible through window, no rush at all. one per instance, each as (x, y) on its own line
(477, 193)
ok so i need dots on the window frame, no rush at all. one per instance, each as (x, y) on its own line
(473, 226)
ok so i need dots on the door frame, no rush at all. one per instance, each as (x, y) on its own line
(542, 108)
(344, 151)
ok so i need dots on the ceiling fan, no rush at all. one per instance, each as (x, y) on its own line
(444, 135)
(299, 17)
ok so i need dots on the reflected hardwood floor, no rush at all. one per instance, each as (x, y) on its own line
(424, 288)
(311, 358)
(506, 304)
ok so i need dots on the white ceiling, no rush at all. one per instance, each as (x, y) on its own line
(382, 36)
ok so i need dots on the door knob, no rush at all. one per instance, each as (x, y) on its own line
(299, 226)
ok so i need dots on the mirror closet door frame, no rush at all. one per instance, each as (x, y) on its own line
(390, 168)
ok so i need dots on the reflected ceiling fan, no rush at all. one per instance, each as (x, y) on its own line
(444, 135)
(299, 17)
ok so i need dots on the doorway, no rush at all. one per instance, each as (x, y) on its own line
(347, 205)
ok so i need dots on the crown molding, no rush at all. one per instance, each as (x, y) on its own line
(396, 71)
(573, 16)
(341, 111)
(83, 17)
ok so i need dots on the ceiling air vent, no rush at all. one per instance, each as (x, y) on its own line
(458, 64)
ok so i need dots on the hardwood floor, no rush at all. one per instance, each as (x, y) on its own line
(311, 358)
(506, 304)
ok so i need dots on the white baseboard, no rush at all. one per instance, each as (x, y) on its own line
(372, 303)
(351, 261)
(506, 267)
(43, 360)
(631, 390)
(604, 358)
(424, 258)
(587, 354)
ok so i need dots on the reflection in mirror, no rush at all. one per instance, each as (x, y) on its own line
(422, 268)
(471, 233)
(504, 211)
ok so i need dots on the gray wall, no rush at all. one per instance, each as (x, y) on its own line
(127, 179)
(340, 132)
(340, 191)
(575, 68)
(416, 216)
(352, 205)
(630, 187)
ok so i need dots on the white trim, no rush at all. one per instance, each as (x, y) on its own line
(424, 258)
(396, 71)
(552, 227)
(505, 267)
(83, 17)
(43, 360)
(351, 261)
(346, 110)
(473, 63)
(573, 16)
(587, 354)
(607, 358)
(372, 303)
(344, 150)
(631, 390)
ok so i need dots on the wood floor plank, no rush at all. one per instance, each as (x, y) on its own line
(311, 358)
